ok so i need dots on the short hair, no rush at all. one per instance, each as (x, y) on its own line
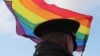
(56, 37)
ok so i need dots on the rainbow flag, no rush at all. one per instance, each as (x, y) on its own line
(29, 13)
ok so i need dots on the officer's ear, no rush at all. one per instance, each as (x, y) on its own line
(67, 41)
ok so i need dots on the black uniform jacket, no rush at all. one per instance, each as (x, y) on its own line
(48, 48)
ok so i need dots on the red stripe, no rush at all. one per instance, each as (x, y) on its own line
(64, 12)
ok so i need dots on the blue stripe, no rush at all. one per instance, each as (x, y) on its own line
(80, 42)
(27, 30)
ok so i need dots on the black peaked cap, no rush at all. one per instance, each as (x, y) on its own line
(63, 25)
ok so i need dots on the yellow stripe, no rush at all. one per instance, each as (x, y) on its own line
(36, 19)
(8, 0)
(17, 6)
(83, 29)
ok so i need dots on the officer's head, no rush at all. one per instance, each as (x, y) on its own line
(61, 31)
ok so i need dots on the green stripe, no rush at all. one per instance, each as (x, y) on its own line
(25, 21)
(81, 36)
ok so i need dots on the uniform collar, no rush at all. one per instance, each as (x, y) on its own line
(51, 47)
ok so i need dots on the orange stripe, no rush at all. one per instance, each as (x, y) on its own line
(30, 5)
(64, 12)
(83, 21)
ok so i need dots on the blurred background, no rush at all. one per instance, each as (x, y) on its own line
(12, 44)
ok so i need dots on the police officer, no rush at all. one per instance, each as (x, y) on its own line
(58, 37)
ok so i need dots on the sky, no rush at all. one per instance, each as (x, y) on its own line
(12, 44)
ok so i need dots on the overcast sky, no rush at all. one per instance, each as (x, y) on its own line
(12, 44)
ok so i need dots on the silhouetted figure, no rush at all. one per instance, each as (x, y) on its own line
(58, 37)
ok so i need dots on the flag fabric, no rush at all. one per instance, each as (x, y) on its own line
(29, 13)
